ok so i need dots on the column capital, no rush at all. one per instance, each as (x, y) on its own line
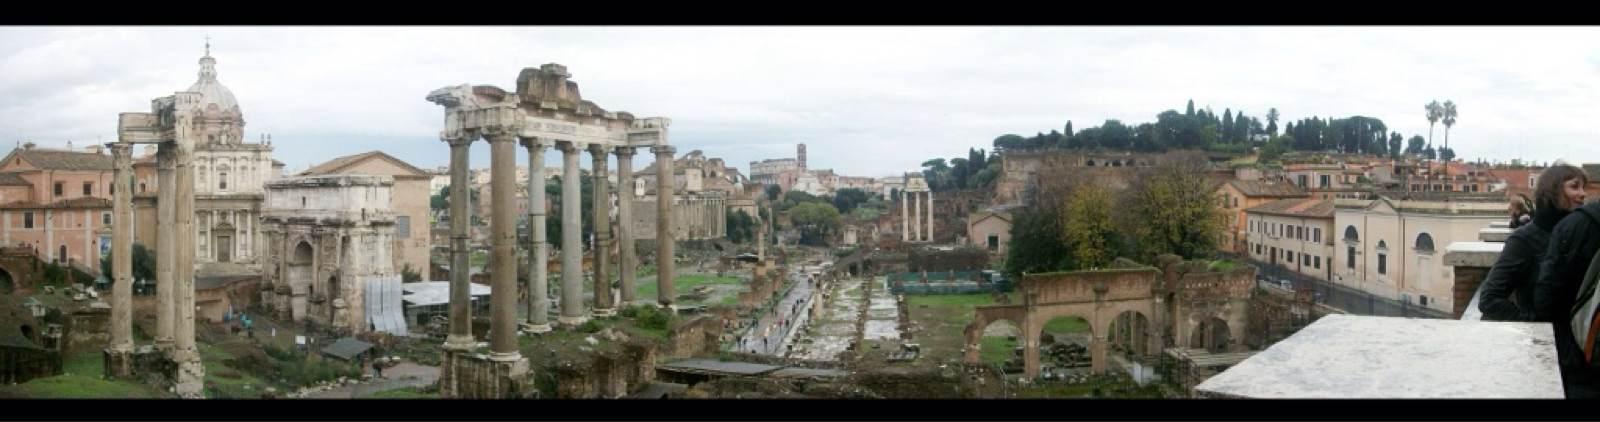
(121, 154)
(466, 138)
(626, 152)
(532, 142)
(664, 149)
(567, 147)
(599, 150)
(499, 133)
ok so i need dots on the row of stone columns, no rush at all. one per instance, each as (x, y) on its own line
(174, 263)
(912, 225)
(503, 275)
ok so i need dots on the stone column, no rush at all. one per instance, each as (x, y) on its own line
(539, 250)
(121, 347)
(627, 269)
(602, 230)
(930, 216)
(166, 256)
(502, 225)
(664, 238)
(905, 216)
(460, 337)
(761, 237)
(916, 224)
(572, 312)
(191, 374)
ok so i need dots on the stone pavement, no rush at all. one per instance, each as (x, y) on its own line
(768, 336)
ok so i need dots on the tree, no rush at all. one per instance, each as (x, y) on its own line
(1172, 209)
(440, 200)
(1008, 141)
(846, 200)
(773, 191)
(1395, 139)
(1448, 117)
(1272, 121)
(1227, 125)
(1435, 111)
(144, 264)
(1430, 153)
(1035, 244)
(1415, 145)
(815, 220)
(1446, 154)
(741, 227)
(1087, 226)
(1068, 130)
(1190, 110)
(409, 275)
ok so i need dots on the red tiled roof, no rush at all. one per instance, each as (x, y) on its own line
(1300, 207)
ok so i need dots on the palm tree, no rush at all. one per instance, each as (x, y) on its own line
(1448, 115)
(1435, 111)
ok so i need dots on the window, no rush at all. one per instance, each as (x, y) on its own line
(1383, 258)
(1324, 179)
(1350, 234)
(60, 188)
(1235, 202)
(105, 218)
(1299, 232)
(1316, 262)
(1424, 243)
(1316, 235)
(302, 202)
(1350, 259)
(1424, 300)
(222, 181)
(402, 228)
(1289, 255)
(141, 187)
(62, 256)
(994, 243)
(27, 220)
(88, 188)
(1303, 182)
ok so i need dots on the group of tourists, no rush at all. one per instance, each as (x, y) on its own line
(1546, 272)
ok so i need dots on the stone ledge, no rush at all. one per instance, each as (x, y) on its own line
(1472, 254)
(1494, 234)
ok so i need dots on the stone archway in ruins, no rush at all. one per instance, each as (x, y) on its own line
(299, 277)
(1213, 335)
(7, 285)
(1097, 297)
(1130, 333)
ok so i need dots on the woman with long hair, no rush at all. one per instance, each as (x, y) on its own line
(1557, 192)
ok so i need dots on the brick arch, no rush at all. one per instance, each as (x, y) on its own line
(985, 315)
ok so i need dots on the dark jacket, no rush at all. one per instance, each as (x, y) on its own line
(1573, 243)
(1515, 272)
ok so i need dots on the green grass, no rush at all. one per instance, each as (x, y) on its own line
(957, 308)
(996, 349)
(1221, 265)
(81, 378)
(222, 381)
(1066, 325)
(405, 393)
(683, 284)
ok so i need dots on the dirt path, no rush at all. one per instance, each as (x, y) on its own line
(406, 374)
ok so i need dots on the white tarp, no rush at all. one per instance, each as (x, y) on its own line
(429, 293)
(383, 304)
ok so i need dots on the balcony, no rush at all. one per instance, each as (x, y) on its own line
(1350, 356)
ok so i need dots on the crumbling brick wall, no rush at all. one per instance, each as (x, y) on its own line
(697, 336)
(87, 329)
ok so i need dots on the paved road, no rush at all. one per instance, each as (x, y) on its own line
(768, 336)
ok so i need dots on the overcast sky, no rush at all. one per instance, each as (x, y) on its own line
(866, 101)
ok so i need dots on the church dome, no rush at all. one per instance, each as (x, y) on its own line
(211, 91)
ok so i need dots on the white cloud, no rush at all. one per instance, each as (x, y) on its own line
(867, 101)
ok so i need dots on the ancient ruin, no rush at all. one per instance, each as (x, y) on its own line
(545, 110)
(327, 236)
(1187, 309)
